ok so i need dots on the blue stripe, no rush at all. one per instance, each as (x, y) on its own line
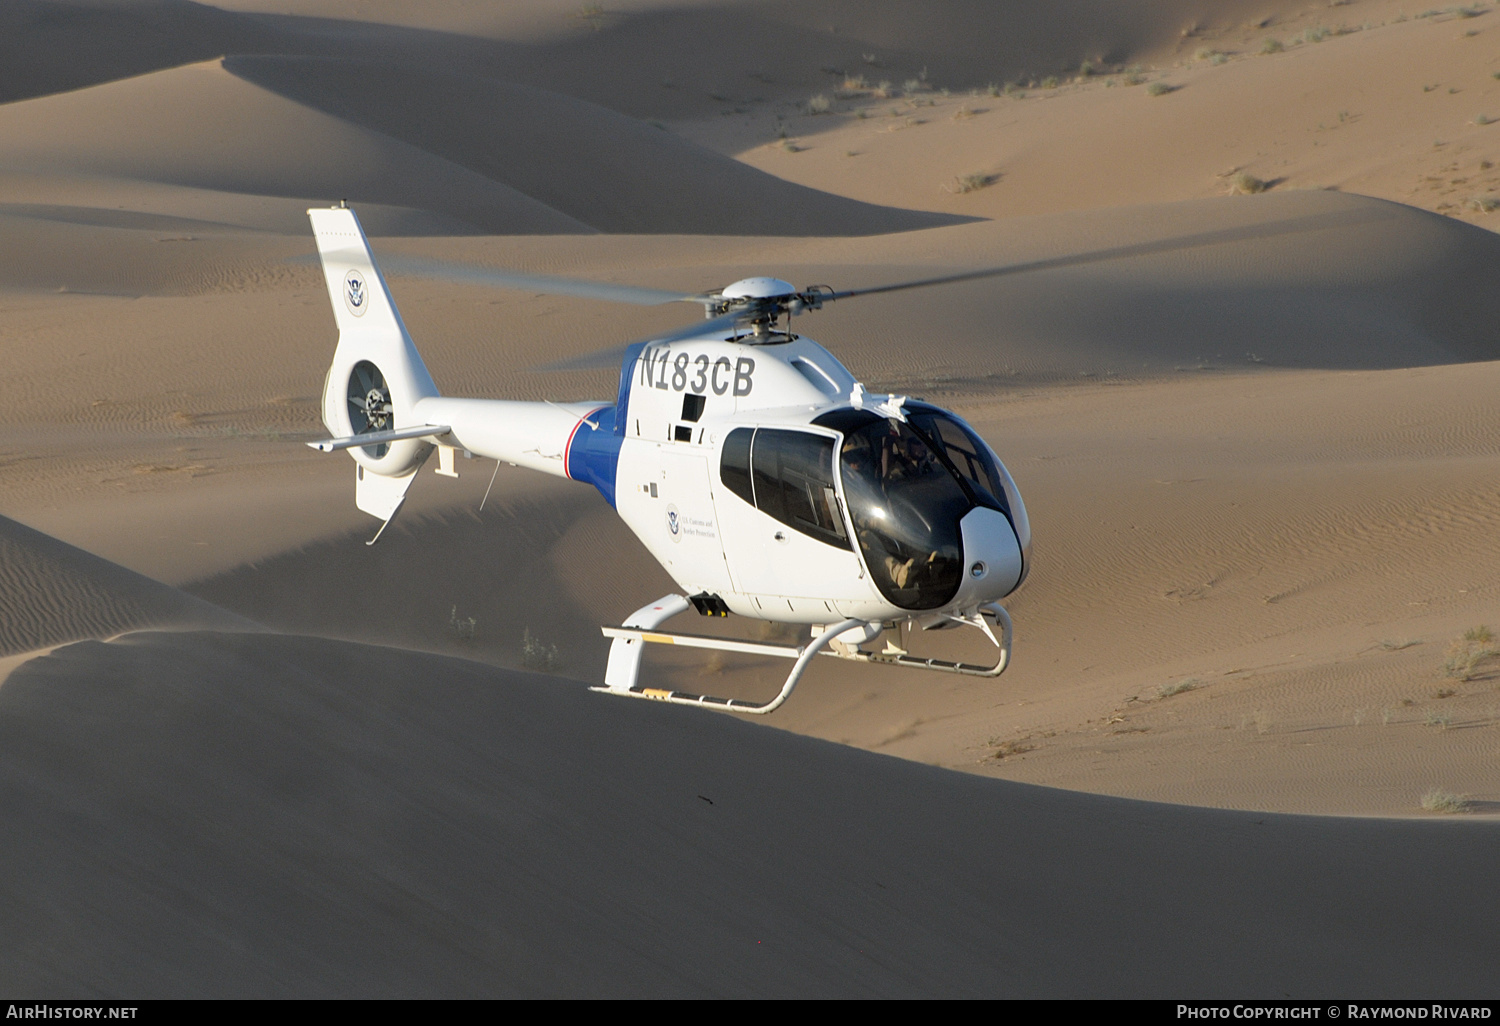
(627, 378)
(594, 456)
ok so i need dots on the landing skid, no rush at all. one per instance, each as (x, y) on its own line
(630, 640)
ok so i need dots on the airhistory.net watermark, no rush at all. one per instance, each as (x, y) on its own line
(52, 1010)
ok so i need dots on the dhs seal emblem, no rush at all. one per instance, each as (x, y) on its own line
(674, 523)
(356, 295)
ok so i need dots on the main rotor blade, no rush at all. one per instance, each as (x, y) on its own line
(611, 357)
(475, 274)
(1296, 225)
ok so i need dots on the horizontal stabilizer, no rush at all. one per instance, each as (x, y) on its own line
(377, 437)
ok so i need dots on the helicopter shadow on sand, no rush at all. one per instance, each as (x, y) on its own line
(480, 585)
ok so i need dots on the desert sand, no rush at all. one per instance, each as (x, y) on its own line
(1257, 435)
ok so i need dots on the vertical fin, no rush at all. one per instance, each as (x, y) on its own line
(370, 327)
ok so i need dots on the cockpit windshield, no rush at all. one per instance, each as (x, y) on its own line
(908, 484)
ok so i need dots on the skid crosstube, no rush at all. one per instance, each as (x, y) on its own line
(628, 642)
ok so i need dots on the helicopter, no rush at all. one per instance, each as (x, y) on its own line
(748, 460)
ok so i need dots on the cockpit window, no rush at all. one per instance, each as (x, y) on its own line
(966, 455)
(908, 484)
(793, 475)
(789, 476)
(734, 463)
(906, 506)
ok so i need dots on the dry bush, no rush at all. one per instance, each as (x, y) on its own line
(1014, 747)
(1468, 653)
(1177, 688)
(1246, 184)
(853, 85)
(1438, 800)
(536, 654)
(1271, 46)
(593, 14)
(1160, 89)
(819, 104)
(464, 626)
(972, 182)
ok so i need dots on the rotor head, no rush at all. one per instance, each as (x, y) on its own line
(761, 301)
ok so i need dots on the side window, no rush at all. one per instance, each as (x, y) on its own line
(793, 478)
(734, 464)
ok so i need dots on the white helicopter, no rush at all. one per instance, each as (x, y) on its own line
(747, 459)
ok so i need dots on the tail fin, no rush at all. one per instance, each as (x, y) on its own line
(377, 376)
(375, 353)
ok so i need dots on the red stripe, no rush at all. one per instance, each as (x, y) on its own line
(568, 449)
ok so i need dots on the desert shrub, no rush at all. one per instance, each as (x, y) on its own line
(1011, 747)
(1160, 89)
(464, 627)
(1438, 800)
(1467, 653)
(819, 104)
(537, 654)
(973, 182)
(1177, 687)
(1246, 184)
(1271, 46)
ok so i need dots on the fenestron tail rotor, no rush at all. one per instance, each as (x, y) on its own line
(369, 403)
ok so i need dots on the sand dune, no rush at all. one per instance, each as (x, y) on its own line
(647, 58)
(48, 47)
(1369, 98)
(246, 140)
(550, 164)
(607, 171)
(1256, 434)
(304, 818)
(51, 592)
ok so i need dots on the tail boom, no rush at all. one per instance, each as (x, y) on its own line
(540, 436)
